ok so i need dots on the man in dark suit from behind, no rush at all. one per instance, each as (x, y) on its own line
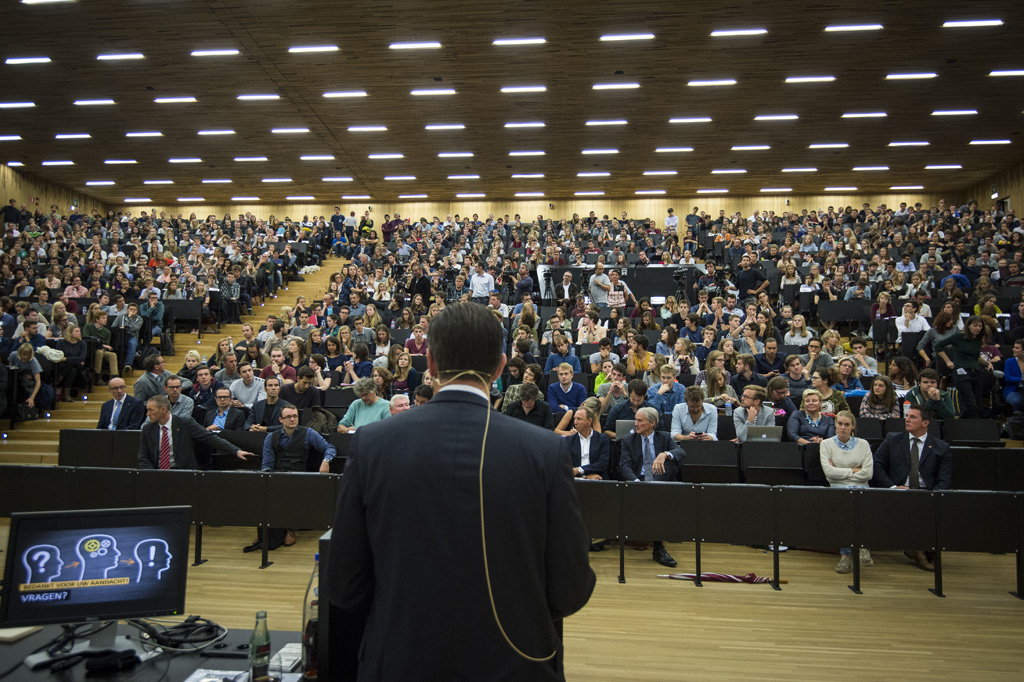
(588, 448)
(168, 441)
(122, 412)
(221, 416)
(649, 455)
(455, 562)
(914, 460)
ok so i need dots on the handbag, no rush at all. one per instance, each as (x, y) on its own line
(26, 413)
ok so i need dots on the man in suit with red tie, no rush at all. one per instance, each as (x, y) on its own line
(914, 460)
(122, 412)
(649, 455)
(168, 442)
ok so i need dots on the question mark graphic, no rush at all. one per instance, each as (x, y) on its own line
(40, 558)
(152, 555)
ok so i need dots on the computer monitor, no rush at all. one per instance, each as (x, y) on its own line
(95, 565)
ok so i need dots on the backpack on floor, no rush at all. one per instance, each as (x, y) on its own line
(166, 343)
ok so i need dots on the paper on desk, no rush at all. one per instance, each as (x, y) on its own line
(207, 675)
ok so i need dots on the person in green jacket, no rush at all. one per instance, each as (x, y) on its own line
(943, 404)
(97, 329)
(971, 370)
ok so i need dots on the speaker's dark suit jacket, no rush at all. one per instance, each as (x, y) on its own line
(892, 462)
(235, 420)
(133, 413)
(185, 433)
(599, 453)
(631, 458)
(406, 566)
(259, 409)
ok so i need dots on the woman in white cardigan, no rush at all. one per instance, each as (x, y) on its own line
(847, 463)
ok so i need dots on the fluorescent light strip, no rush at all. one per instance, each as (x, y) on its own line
(245, 198)
(428, 92)
(777, 117)
(870, 168)
(214, 53)
(336, 179)
(661, 172)
(712, 191)
(138, 200)
(516, 89)
(43, 2)
(185, 159)
(776, 189)
(158, 182)
(1008, 72)
(470, 195)
(840, 189)
(810, 79)
(609, 122)
(412, 196)
(17, 105)
(191, 199)
(691, 119)
(145, 133)
(120, 162)
(599, 151)
(15, 164)
(589, 194)
(307, 197)
(982, 142)
(618, 37)
(954, 112)
(907, 187)
(921, 143)
(119, 56)
(174, 100)
(463, 177)
(367, 129)
(910, 76)
(728, 171)
(527, 195)
(312, 48)
(751, 147)
(445, 126)
(386, 156)
(93, 102)
(525, 176)
(251, 158)
(828, 145)
(501, 42)
(99, 183)
(317, 157)
(276, 180)
(257, 98)
(288, 131)
(355, 196)
(525, 124)
(72, 136)
(739, 32)
(711, 83)
(593, 174)
(26, 60)
(947, 166)
(430, 45)
(454, 155)
(853, 27)
(866, 114)
(9, 138)
(673, 150)
(217, 181)
(974, 23)
(399, 178)
(616, 86)
(800, 170)
(344, 93)
(215, 132)
(649, 191)
(527, 153)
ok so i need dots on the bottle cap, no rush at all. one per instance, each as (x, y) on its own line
(316, 557)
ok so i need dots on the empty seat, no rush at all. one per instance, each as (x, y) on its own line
(977, 432)
(773, 463)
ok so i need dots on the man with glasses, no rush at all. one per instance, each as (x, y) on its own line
(181, 405)
(122, 412)
(221, 416)
(752, 412)
(152, 382)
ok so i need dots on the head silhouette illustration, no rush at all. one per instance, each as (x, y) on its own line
(42, 563)
(153, 558)
(98, 555)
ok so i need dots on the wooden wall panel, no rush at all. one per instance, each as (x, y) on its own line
(27, 189)
(1009, 185)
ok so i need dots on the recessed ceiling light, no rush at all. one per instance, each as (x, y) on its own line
(288, 131)
(944, 166)
(777, 117)
(673, 150)
(470, 195)
(72, 136)
(257, 98)
(519, 41)
(27, 60)
(185, 159)
(905, 187)
(245, 198)
(800, 170)
(217, 181)
(739, 32)
(649, 191)
(865, 114)
(954, 112)
(415, 46)
(144, 133)
(43, 2)
(138, 200)
(214, 53)
(463, 177)
(527, 175)
(58, 163)
(427, 92)
(910, 143)
(750, 147)
(158, 182)
(1009, 72)
(276, 180)
(527, 195)
(776, 189)
(728, 171)
(250, 158)
(691, 119)
(386, 156)
(120, 162)
(313, 48)
(10, 138)
(344, 93)
(972, 23)
(589, 194)
(93, 102)
(840, 189)
(317, 157)
(853, 27)
(711, 83)
(355, 196)
(661, 172)
(911, 76)
(870, 168)
(515, 89)
(600, 151)
(15, 164)
(614, 37)
(400, 178)
(306, 197)
(454, 155)
(593, 174)
(99, 183)
(174, 100)
(608, 122)
(216, 132)
(810, 79)
(713, 191)
(16, 105)
(336, 179)
(980, 142)
(525, 124)
(412, 196)
(191, 199)
(533, 152)
(828, 145)
(445, 126)
(119, 56)
(367, 129)
(616, 86)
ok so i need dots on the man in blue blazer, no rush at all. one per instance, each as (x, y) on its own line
(130, 413)
(595, 464)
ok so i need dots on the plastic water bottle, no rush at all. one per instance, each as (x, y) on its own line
(906, 408)
(728, 409)
(259, 648)
(310, 623)
(204, 359)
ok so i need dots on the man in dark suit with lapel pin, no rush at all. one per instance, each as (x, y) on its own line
(914, 460)
(458, 543)
(168, 442)
(223, 417)
(122, 412)
(650, 455)
(588, 448)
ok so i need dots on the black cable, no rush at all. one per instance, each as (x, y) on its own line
(61, 641)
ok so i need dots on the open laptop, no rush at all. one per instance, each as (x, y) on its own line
(623, 427)
(767, 434)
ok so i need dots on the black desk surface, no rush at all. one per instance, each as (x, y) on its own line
(181, 665)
